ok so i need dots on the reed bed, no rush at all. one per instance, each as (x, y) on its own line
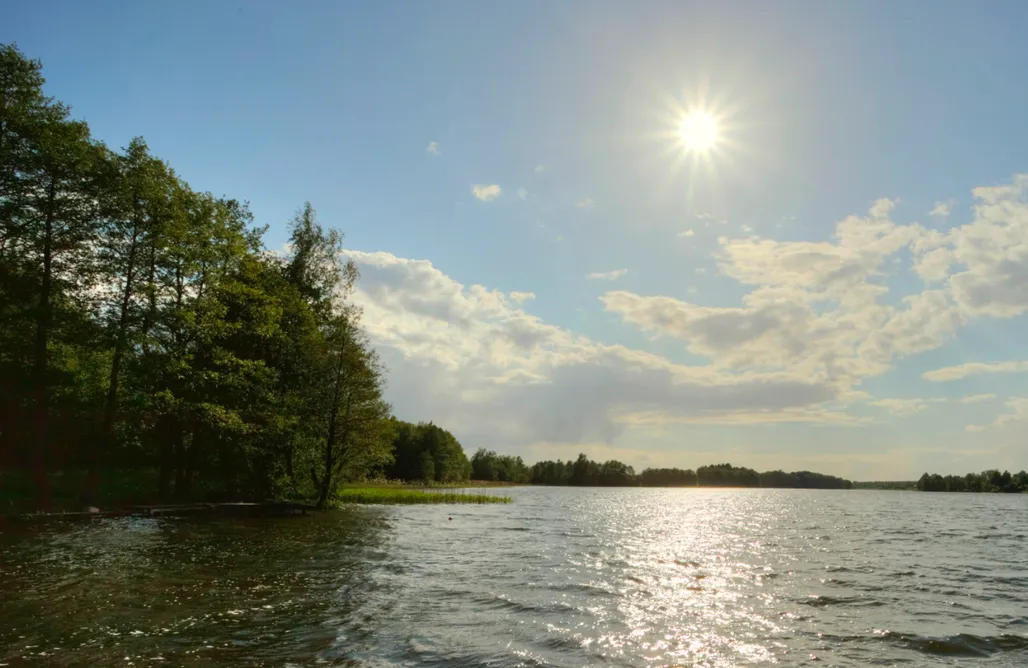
(406, 496)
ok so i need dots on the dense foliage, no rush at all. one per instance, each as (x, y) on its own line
(586, 472)
(489, 466)
(427, 453)
(803, 480)
(143, 323)
(986, 481)
(897, 485)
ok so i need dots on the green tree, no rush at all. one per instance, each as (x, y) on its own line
(354, 415)
(488, 465)
(50, 222)
(427, 452)
(135, 194)
(144, 323)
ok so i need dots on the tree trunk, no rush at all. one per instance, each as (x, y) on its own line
(40, 394)
(289, 464)
(151, 296)
(182, 469)
(166, 458)
(325, 483)
(102, 444)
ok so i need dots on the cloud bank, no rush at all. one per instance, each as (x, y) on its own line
(815, 321)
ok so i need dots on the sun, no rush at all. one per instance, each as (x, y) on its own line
(698, 131)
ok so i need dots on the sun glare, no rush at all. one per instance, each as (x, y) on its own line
(698, 131)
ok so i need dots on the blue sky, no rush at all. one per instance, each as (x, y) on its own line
(785, 300)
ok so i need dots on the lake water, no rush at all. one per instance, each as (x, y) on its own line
(561, 577)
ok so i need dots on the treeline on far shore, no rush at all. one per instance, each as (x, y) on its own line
(584, 472)
(987, 481)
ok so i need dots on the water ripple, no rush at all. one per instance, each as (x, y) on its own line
(562, 577)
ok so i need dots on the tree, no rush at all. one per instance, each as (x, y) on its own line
(144, 323)
(427, 452)
(487, 465)
(48, 195)
(314, 263)
(672, 477)
(726, 475)
(136, 191)
(353, 412)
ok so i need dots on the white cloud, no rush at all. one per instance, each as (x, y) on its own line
(813, 309)
(1018, 412)
(971, 428)
(901, 406)
(976, 398)
(433, 148)
(990, 254)
(607, 275)
(687, 233)
(961, 371)
(941, 209)
(486, 193)
(882, 208)
(815, 319)
(909, 406)
(587, 203)
(747, 229)
(468, 356)
(521, 297)
(522, 193)
(539, 169)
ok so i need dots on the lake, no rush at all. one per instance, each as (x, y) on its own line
(561, 577)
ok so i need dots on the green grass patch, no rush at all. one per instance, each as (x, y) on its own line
(387, 483)
(404, 495)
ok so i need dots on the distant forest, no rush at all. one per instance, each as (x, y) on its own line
(487, 465)
(986, 481)
(897, 485)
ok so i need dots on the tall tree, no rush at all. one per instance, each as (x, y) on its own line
(356, 432)
(314, 265)
(143, 322)
(134, 204)
(50, 224)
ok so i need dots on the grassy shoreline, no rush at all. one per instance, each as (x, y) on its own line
(400, 495)
(401, 484)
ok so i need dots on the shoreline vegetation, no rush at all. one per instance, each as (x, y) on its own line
(991, 481)
(584, 472)
(397, 495)
(893, 485)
